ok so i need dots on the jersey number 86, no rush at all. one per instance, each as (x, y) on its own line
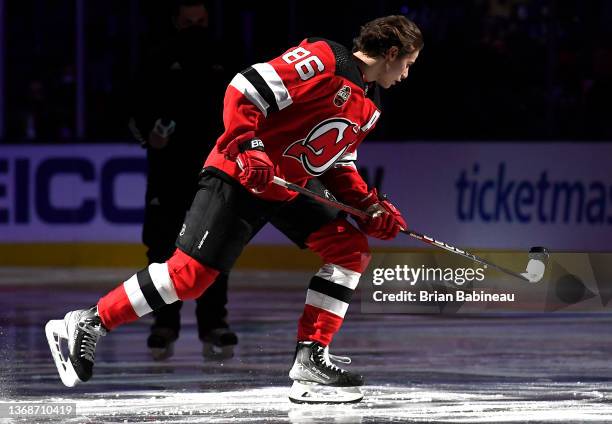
(304, 67)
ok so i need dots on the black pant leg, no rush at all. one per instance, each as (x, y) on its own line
(303, 216)
(211, 310)
(163, 220)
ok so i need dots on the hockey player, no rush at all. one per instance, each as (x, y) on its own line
(299, 116)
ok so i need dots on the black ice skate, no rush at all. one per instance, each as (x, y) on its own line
(161, 342)
(219, 343)
(81, 330)
(317, 380)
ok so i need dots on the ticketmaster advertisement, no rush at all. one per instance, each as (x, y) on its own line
(499, 195)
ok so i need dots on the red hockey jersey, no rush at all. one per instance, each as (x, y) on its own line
(311, 108)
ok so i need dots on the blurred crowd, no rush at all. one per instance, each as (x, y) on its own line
(490, 69)
(519, 69)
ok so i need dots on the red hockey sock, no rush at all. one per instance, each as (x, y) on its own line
(181, 277)
(344, 250)
(319, 325)
(115, 308)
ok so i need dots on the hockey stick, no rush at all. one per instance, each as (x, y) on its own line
(537, 255)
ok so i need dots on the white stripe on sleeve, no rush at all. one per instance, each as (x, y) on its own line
(240, 83)
(274, 81)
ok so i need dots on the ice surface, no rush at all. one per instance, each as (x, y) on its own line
(460, 369)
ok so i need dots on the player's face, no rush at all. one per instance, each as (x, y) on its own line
(191, 16)
(396, 68)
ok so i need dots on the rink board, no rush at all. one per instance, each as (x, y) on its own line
(86, 201)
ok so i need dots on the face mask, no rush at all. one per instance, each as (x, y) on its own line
(192, 44)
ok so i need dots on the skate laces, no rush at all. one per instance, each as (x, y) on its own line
(325, 358)
(341, 359)
(92, 331)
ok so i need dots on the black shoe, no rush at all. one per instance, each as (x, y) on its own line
(161, 342)
(219, 343)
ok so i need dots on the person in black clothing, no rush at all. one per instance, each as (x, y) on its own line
(177, 117)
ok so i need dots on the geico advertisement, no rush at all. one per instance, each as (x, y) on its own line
(484, 195)
(72, 193)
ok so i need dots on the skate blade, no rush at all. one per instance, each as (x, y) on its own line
(55, 331)
(212, 351)
(302, 392)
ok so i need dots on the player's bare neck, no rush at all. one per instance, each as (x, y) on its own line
(369, 66)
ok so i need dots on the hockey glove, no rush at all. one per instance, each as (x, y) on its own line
(385, 220)
(257, 171)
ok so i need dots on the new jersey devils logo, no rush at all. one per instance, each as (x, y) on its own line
(324, 145)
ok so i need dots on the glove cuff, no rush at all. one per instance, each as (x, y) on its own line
(253, 144)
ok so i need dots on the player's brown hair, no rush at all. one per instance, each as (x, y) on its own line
(378, 36)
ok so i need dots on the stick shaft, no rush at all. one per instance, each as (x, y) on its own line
(433, 242)
(331, 202)
(421, 237)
